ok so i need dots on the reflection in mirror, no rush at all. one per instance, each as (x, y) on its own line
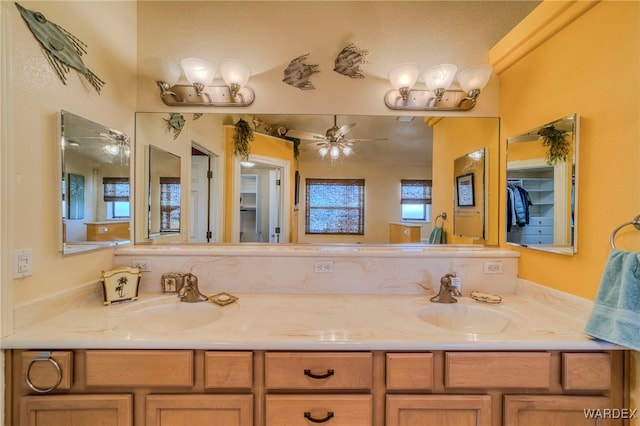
(542, 187)
(95, 188)
(385, 150)
(164, 192)
(469, 195)
(261, 207)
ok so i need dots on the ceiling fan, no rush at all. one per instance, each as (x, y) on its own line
(333, 142)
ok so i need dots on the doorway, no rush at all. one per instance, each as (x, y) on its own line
(261, 213)
(204, 208)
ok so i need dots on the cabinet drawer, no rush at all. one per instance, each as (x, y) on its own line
(41, 369)
(318, 370)
(497, 370)
(438, 410)
(303, 410)
(406, 371)
(76, 410)
(537, 239)
(228, 370)
(586, 371)
(139, 368)
(537, 230)
(541, 221)
(195, 410)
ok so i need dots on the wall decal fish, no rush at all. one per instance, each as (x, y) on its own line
(297, 73)
(349, 60)
(63, 49)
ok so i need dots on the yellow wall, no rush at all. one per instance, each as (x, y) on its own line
(590, 67)
(452, 139)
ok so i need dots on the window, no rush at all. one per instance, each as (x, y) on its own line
(169, 204)
(415, 199)
(116, 195)
(335, 206)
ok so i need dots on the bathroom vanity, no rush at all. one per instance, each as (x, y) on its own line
(364, 346)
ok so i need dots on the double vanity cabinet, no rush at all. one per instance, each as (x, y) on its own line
(119, 387)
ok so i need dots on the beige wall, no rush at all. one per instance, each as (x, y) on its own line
(267, 35)
(33, 97)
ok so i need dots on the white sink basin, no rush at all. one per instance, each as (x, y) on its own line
(171, 317)
(466, 318)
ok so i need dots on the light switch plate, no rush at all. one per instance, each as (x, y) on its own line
(22, 263)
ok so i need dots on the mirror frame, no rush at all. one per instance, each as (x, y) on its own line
(571, 188)
(98, 132)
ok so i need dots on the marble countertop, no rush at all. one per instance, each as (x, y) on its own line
(314, 322)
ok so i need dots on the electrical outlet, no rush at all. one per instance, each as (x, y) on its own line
(323, 266)
(22, 263)
(493, 267)
(143, 264)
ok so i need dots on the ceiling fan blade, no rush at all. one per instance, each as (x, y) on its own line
(303, 134)
(312, 146)
(344, 129)
(365, 140)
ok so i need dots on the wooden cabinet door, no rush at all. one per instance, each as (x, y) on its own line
(555, 410)
(76, 410)
(199, 410)
(440, 410)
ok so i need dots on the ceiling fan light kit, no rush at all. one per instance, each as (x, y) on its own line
(333, 143)
(437, 96)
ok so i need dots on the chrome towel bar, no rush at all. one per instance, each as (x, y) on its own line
(635, 222)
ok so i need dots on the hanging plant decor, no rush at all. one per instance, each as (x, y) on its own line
(556, 142)
(241, 138)
(174, 123)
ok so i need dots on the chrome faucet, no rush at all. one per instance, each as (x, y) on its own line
(189, 291)
(447, 291)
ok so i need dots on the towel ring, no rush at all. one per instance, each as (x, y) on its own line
(442, 216)
(635, 222)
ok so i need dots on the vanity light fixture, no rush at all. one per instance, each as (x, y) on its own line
(200, 74)
(437, 96)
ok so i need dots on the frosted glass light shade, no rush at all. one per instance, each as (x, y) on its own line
(198, 71)
(474, 78)
(162, 70)
(235, 72)
(439, 76)
(404, 75)
(334, 152)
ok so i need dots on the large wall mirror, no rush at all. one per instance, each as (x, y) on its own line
(94, 198)
(382, 150)
(542, 187)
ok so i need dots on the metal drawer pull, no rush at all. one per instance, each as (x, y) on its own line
(44, 357)
(329, 373)
(307, 415)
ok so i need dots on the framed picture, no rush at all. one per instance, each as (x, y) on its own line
(76, 196)
(464, 187)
